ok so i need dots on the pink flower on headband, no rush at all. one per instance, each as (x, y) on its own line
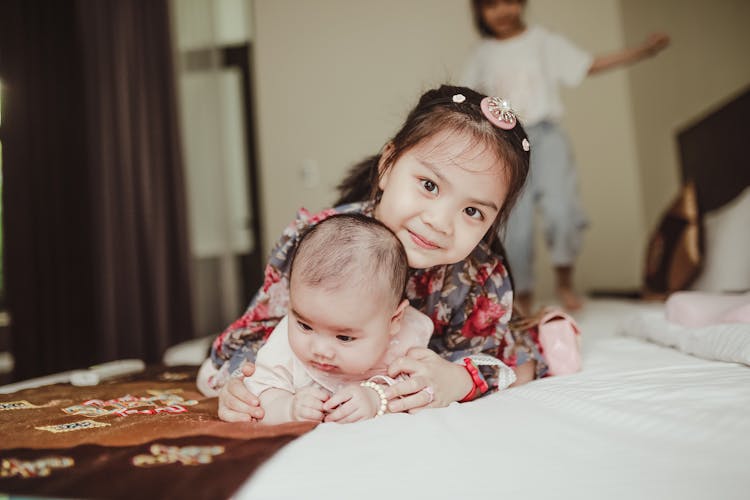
(499, 112)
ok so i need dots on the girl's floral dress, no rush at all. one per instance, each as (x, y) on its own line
(470, 304)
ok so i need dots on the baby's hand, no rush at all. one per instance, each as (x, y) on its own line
(236, 402)
(351, 404)
(308, 403)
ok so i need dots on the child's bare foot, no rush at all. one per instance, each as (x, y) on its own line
(569, 299)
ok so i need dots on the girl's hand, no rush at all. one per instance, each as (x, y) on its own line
(236, 402)
(655, 43)
(433, 382)
(351, 404)
(308, 403)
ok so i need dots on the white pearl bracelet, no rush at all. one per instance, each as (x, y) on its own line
(383, 400)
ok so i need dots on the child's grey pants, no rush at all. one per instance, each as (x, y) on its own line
(553, 185)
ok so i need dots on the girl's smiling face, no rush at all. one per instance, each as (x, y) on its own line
(441, 197)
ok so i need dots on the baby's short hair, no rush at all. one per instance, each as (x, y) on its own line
(351, 250)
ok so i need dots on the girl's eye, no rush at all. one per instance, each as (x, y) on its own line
(429, 186)
(344, 338)
(304, 326)
(474, 213)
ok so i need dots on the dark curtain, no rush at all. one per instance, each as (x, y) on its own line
(96, 252)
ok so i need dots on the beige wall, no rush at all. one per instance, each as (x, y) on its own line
(334, 79)
(599, 122)
(707, 63)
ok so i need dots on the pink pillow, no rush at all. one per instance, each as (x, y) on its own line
(740, 314)
(697, 309)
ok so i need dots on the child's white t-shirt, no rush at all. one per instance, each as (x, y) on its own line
(527, 71)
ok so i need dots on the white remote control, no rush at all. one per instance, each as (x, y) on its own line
(92, 376)
(97, 373)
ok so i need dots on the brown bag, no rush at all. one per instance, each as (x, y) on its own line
(674, 255)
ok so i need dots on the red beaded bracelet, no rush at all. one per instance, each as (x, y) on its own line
(477, 382)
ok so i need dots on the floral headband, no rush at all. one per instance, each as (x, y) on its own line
(498, 112)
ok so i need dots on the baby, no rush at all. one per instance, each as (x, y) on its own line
(348, 320)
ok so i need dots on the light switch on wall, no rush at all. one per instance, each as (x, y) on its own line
(310, 173)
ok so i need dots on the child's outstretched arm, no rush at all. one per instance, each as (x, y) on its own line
(655, 43)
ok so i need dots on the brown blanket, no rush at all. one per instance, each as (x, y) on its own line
(151, 434)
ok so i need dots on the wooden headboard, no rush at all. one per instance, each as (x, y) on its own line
(715, 153)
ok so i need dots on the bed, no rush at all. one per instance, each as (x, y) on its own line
(639, 421)
(149, 434)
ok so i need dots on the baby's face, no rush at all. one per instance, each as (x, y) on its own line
(345, 331)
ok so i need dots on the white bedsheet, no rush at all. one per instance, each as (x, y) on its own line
(640, 421)
(721, 341)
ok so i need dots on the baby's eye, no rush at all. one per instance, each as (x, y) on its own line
(429, 186)
(344, 338)
(474, 213)
(304, 326)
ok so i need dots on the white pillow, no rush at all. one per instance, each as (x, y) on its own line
(726, 267)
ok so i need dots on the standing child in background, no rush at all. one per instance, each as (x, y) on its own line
(526, 65)
(347, 321)
(443, 184)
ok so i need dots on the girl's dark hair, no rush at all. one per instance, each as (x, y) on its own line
(476, 8)
(436, 112)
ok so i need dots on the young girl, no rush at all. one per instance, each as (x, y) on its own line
(526, 66)
(443, 185)
(347, 322)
